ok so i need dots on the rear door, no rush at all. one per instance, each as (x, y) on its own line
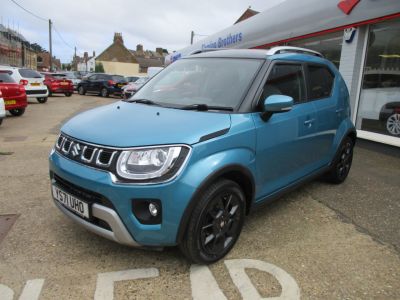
(90, 82)
(285, 141)
(329, 109)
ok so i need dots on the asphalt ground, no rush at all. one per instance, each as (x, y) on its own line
(321, 241)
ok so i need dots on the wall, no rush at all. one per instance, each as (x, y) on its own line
(120, 68)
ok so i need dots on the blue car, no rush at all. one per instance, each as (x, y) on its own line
(203, 143)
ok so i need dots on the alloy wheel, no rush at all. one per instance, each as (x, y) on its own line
(344, 164)
(393, 124)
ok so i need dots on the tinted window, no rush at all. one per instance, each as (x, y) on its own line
(285, 80)
(321, 82)
(4, 77)
(93, 77)
(59, 75)
(28, 73)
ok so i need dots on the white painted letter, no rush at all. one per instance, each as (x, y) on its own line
(32, 289)
(204, 285)
(236, 268)
(105, 281)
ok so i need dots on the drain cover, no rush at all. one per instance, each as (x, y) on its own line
(6, 222)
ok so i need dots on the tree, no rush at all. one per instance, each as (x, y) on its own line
(99, 68)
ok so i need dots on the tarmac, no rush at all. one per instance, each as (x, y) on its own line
(321, 241)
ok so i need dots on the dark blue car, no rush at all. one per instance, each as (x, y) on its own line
(199, 146)
(102, 84)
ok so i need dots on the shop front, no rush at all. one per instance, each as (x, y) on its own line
(362, 39)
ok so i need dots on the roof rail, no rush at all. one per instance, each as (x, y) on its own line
(206, 50)
(288, 49)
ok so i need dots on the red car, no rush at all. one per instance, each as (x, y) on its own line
(13, 93)
(58, 85)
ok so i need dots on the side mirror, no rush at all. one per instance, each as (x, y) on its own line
(276, 104)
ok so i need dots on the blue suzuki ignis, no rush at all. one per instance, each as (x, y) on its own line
(200, 145)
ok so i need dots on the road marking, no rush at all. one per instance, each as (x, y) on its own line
(32, 289)
(105, 281)
(6, 293)
(236, 268)
(204, 285)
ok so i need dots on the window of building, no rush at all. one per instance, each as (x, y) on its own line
(321, 82)
(379, 105)
(330, 45)
(285, 79)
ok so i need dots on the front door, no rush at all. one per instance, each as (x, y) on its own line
(284, 142)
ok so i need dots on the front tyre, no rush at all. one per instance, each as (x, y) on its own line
(42, 99)
(104, 92)
(81, 90)
(17, 111)
(342, 162)
(215, 224)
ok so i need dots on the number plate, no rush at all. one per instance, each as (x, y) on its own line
(35, 83)
(10, 102)
(64, 83)
(71, 202)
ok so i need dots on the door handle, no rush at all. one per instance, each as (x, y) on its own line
(339, 110)
(309, 122)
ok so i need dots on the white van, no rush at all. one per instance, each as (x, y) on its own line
(152, 71)
(32, 81)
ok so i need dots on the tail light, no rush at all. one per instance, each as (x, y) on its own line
(111, 82)
(21, 88)
(1, 95)
(23, 82)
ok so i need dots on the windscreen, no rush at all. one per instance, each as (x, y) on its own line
(209, 81)
(28, 73)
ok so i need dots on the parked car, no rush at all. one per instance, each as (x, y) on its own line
(2, 109)
(14, 95)
(380, 98)
(58, 84)
(31, 80)
(102, 84)
(184, 166)
(132, 87)
(132, 78)
(70, 76)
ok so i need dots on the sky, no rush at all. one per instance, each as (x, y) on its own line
(89, 25)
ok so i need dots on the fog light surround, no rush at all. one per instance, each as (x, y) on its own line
(147, 211)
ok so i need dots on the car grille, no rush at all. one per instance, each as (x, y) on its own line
(88, 154)
(35, 92)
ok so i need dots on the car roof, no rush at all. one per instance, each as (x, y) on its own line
(257, 54)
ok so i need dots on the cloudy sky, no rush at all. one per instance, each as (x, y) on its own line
(90, 24)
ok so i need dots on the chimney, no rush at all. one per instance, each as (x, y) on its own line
(139, 47)
(159, 51)
(118, 38)
(94, 54)
(85, 56)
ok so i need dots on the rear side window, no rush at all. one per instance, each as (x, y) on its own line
(285, 79)
(28, 73)
(321, 82)
(5, 78)
(118, 78)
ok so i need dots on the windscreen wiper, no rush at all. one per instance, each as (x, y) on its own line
(142, 101)
(205, 107)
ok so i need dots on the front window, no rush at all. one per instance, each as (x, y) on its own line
(207, 81)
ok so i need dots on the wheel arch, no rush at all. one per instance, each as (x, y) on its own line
(237, 173)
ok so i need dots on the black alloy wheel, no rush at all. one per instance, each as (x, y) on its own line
(17, 111)
(342, 164)
(69, 94)
(216, 223)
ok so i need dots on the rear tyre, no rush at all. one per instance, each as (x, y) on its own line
(81, 90)
(42, 99)
(1, 121)
(393, 124)
(104, 92)
(68, 94)
(215, 224)
(50, 94)
(17, 111)
(342, 162)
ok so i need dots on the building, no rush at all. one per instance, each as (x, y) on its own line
(117, 59)
(86, 63)
(148, 58)
(43, 62)
(361, 37)
(15, 50)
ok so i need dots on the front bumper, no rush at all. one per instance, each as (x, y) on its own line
(174, 197)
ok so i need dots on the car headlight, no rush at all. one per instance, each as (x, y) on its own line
(152, 162)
